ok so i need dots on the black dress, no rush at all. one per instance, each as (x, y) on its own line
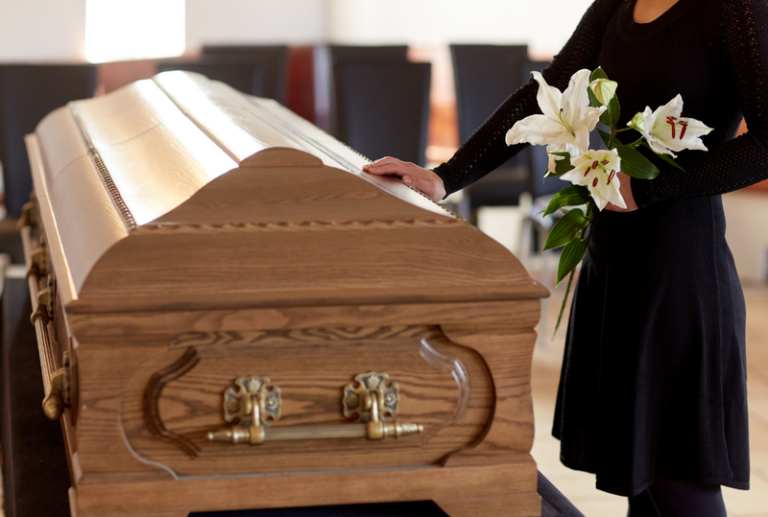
(653, 383)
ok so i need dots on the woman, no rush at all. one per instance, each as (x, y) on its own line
(652, 393)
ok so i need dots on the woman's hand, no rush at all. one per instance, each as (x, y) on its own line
(423, 179)
(625, 188)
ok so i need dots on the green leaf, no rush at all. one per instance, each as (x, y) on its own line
(606, 137)
(574, 195)
(611, 116)
(566, 229)
(598, 73)
(635, 164)
(572, 254)
(667, 158)
(564, 165)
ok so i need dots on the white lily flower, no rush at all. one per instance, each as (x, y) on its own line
(597, 170)
(566, 119)
(604, 90)
(666, 131)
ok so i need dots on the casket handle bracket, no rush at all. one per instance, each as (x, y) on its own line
(251, 403)
(370, 401)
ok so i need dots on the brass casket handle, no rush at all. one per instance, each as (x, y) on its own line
(252, 404)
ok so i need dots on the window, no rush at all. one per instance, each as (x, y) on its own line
(139, 29)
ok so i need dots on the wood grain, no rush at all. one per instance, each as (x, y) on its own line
(259, 247)
(443, 387)
(152, 392)
(508, 354)
(101, 328)
(508, 505)
(238, 493)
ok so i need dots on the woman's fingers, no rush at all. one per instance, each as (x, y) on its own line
(431, 185)
(419, 178)
(625, 188)
(387, 166)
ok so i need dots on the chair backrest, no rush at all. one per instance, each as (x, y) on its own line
(27, 94)
(246, 77)
(367, 54)
(273, 59)
(539, 161)
(333, 55)
(484, 75)
(383, 108)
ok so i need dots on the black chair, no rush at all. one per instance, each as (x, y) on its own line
(273, 59)
(328, 57)
(354, 53)
(27, 94)
(484, 76)
(383, 108)
(246, 77)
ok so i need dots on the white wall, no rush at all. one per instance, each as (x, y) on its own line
(42, 31)
(255, 22)
(544, 24)
(54, 30)
(747, 234)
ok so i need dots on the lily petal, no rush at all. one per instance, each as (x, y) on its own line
(536, 129)
(575, 97)
(597, 170)
(548, 97)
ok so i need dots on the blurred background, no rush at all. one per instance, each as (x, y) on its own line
(408, 78)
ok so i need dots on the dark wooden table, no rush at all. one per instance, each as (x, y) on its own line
(35, 471)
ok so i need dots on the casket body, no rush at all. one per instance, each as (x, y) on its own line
(231, 315)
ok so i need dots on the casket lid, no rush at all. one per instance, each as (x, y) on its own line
(180, 193)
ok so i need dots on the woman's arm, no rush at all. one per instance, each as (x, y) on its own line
(486, 149)
(742, 161)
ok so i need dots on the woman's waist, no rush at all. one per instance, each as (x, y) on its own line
(658, 230)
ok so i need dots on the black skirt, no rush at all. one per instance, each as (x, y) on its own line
(653, 383)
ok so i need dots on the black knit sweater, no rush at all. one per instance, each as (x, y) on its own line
(729, 78)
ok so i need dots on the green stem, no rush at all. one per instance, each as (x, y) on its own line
(565, 300)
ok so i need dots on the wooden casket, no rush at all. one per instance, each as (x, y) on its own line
(231, 315)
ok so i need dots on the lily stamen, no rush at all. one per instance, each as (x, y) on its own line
(671, 122)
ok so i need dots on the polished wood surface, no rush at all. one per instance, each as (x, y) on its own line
(311, 367)
(193, 167)
(198, 235)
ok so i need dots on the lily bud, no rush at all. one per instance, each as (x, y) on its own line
(637, 122)
(604, 90)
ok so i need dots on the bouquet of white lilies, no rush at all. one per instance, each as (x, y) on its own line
(564, 126)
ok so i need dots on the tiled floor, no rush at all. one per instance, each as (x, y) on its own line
(580, 487)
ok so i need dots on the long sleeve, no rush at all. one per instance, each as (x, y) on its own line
(487, 149)
(743, 161)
